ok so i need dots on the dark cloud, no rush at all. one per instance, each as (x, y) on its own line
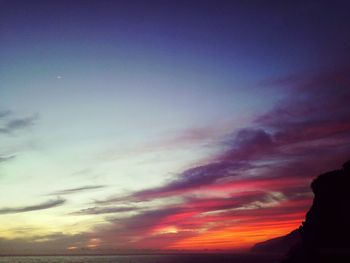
(105, 210)
(148, 219)
(15, 124)
(5, 159)
(247, 144)
(42, 206)
(317, 97)
(193, 178)
(77, 190)
(4, 113)
(50, 244)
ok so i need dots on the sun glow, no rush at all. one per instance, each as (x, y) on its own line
(240, 237)
(166, 230)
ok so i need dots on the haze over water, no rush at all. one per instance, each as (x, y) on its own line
(143, 259)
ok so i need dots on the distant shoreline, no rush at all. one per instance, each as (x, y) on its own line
(148, 254)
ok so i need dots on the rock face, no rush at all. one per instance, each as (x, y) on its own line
(324, 236)
(280, 245)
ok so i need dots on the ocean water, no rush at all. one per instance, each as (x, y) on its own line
(194, 258)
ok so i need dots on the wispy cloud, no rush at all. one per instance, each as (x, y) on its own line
(77, 190)
(14, 124)
(51, 243)
(105, 210)
(4, 113)
(177, 140)
(7, 158)
(41, 206)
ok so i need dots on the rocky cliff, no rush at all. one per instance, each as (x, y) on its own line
(324, 236)
(280, 245)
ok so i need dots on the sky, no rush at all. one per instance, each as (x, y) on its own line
(166, 125)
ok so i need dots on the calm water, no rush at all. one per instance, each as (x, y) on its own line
(203, 258)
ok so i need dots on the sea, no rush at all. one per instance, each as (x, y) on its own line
(179, 258)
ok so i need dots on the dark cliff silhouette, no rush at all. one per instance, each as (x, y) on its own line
(280, 245)
(324, 236)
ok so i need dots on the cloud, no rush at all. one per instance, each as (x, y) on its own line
(318, 97)
(77, 190)
(5, 159)
(16, 124)
(105, 210)
(50, 244)
(196, 215)
(191, 179)
(260, 180)
(4, 113)
(23, 209)
(178, 140)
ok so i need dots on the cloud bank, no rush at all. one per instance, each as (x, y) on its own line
(41, 206)
(258, 186)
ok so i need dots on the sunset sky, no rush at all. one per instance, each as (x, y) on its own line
(185, 125)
